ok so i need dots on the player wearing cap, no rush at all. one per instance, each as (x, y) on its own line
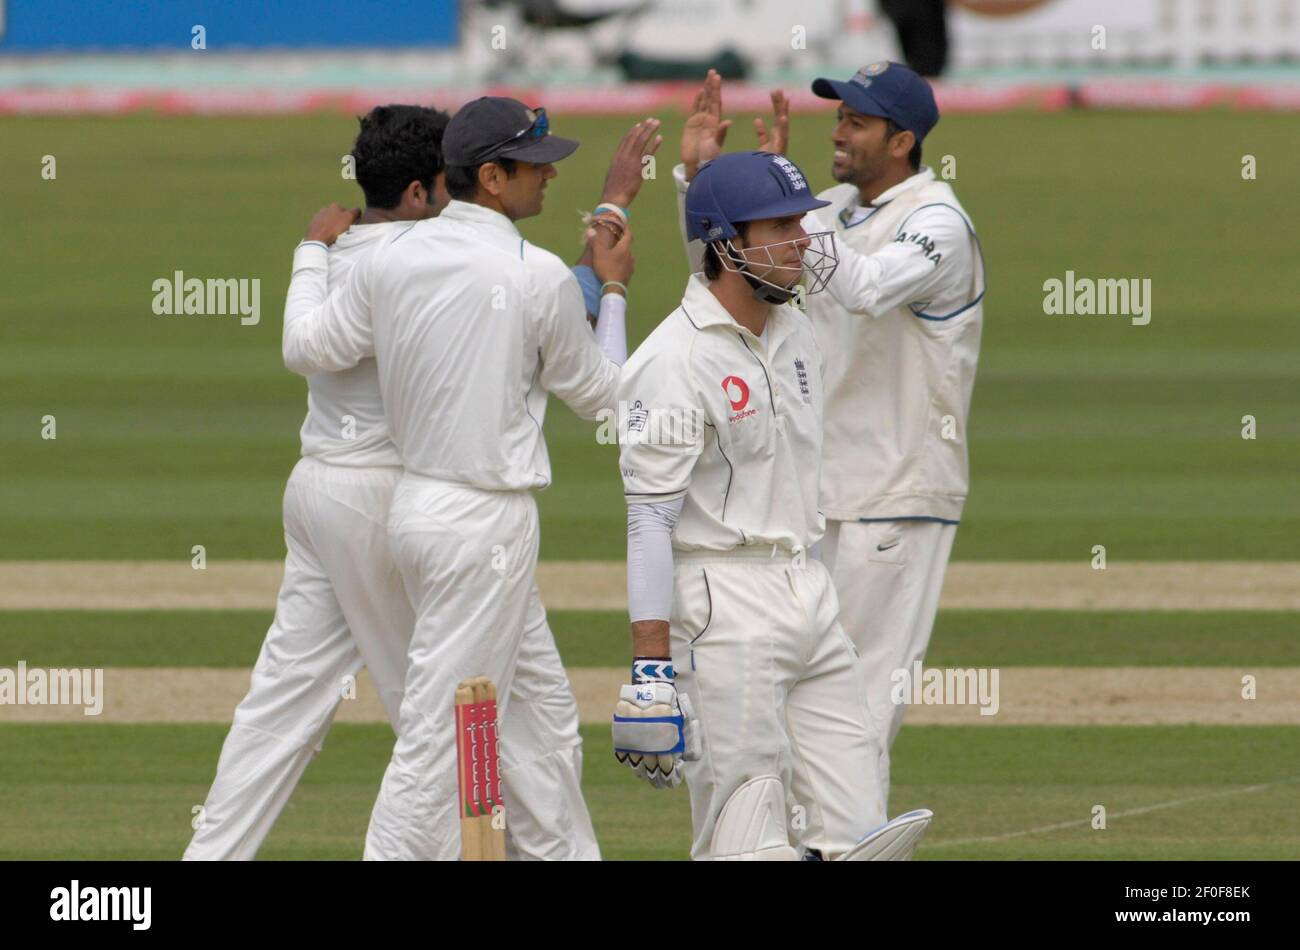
(899, 331)
(342, 601)
(743, 680)
(471, 326)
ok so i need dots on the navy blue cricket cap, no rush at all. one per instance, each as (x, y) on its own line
(495, 127)
(889, 90)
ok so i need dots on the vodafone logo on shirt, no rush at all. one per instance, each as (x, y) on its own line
(737, 391)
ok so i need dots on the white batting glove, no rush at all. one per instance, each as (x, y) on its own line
(654, 730)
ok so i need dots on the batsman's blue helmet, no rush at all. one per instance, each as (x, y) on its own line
(744, 186)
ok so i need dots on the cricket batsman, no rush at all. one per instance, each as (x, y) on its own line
(471, 327)
(743, 680)
(899, 330)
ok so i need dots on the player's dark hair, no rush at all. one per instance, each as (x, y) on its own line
(914, 156)
(462, 180)
(713, 263)
(398, 145)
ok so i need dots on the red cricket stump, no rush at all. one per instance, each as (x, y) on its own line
(482, 812)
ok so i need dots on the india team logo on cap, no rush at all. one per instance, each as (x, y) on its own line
(863, 76)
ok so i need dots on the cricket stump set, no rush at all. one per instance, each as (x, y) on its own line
(482, 813)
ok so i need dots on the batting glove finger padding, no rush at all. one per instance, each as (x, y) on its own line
(654, 731)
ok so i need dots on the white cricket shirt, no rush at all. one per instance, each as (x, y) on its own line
(471, 327)
(345, 422)
(748, 471)
(899, 326)
(899, 330)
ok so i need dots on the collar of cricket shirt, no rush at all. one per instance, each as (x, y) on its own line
(468, 211)
(705, 310)
(360, 234)
(907, 184)
(855, 207)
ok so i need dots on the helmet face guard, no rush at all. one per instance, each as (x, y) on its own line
(818, 263)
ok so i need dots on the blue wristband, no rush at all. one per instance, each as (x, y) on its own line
(590, 285)
(653, 669)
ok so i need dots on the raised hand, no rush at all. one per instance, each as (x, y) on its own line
(624, 178)
(706, 130)
(779, 140)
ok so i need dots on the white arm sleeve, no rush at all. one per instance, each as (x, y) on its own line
(611, 328)
(694, 249)
(650, 558)
(325, 332)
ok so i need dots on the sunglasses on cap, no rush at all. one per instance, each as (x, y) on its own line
(540, 128)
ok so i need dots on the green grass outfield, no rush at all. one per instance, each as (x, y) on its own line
(962, 638)
(127, 792)
(175, 431)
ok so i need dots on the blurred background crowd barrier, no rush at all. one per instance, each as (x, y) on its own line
(628, 55)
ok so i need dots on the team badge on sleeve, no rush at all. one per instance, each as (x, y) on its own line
(636, 417)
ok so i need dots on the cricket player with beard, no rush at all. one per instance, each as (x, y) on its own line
(899, 330)
(743, 680)
(471, 327)
(342, 602)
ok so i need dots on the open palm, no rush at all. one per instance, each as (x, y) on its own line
(706, 130)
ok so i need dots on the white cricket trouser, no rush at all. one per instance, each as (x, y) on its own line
(771, 678)
(467, 558)
(888, 575)
(341, 605)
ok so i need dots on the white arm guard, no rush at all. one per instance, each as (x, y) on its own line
(611, 328)
(650, 558)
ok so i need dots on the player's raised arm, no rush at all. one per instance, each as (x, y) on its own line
(778, 140)
(612, 214)
(703, 136)
(705, 132)
(926, 266)
(613, 265)
(326, 332)
(626, 171)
